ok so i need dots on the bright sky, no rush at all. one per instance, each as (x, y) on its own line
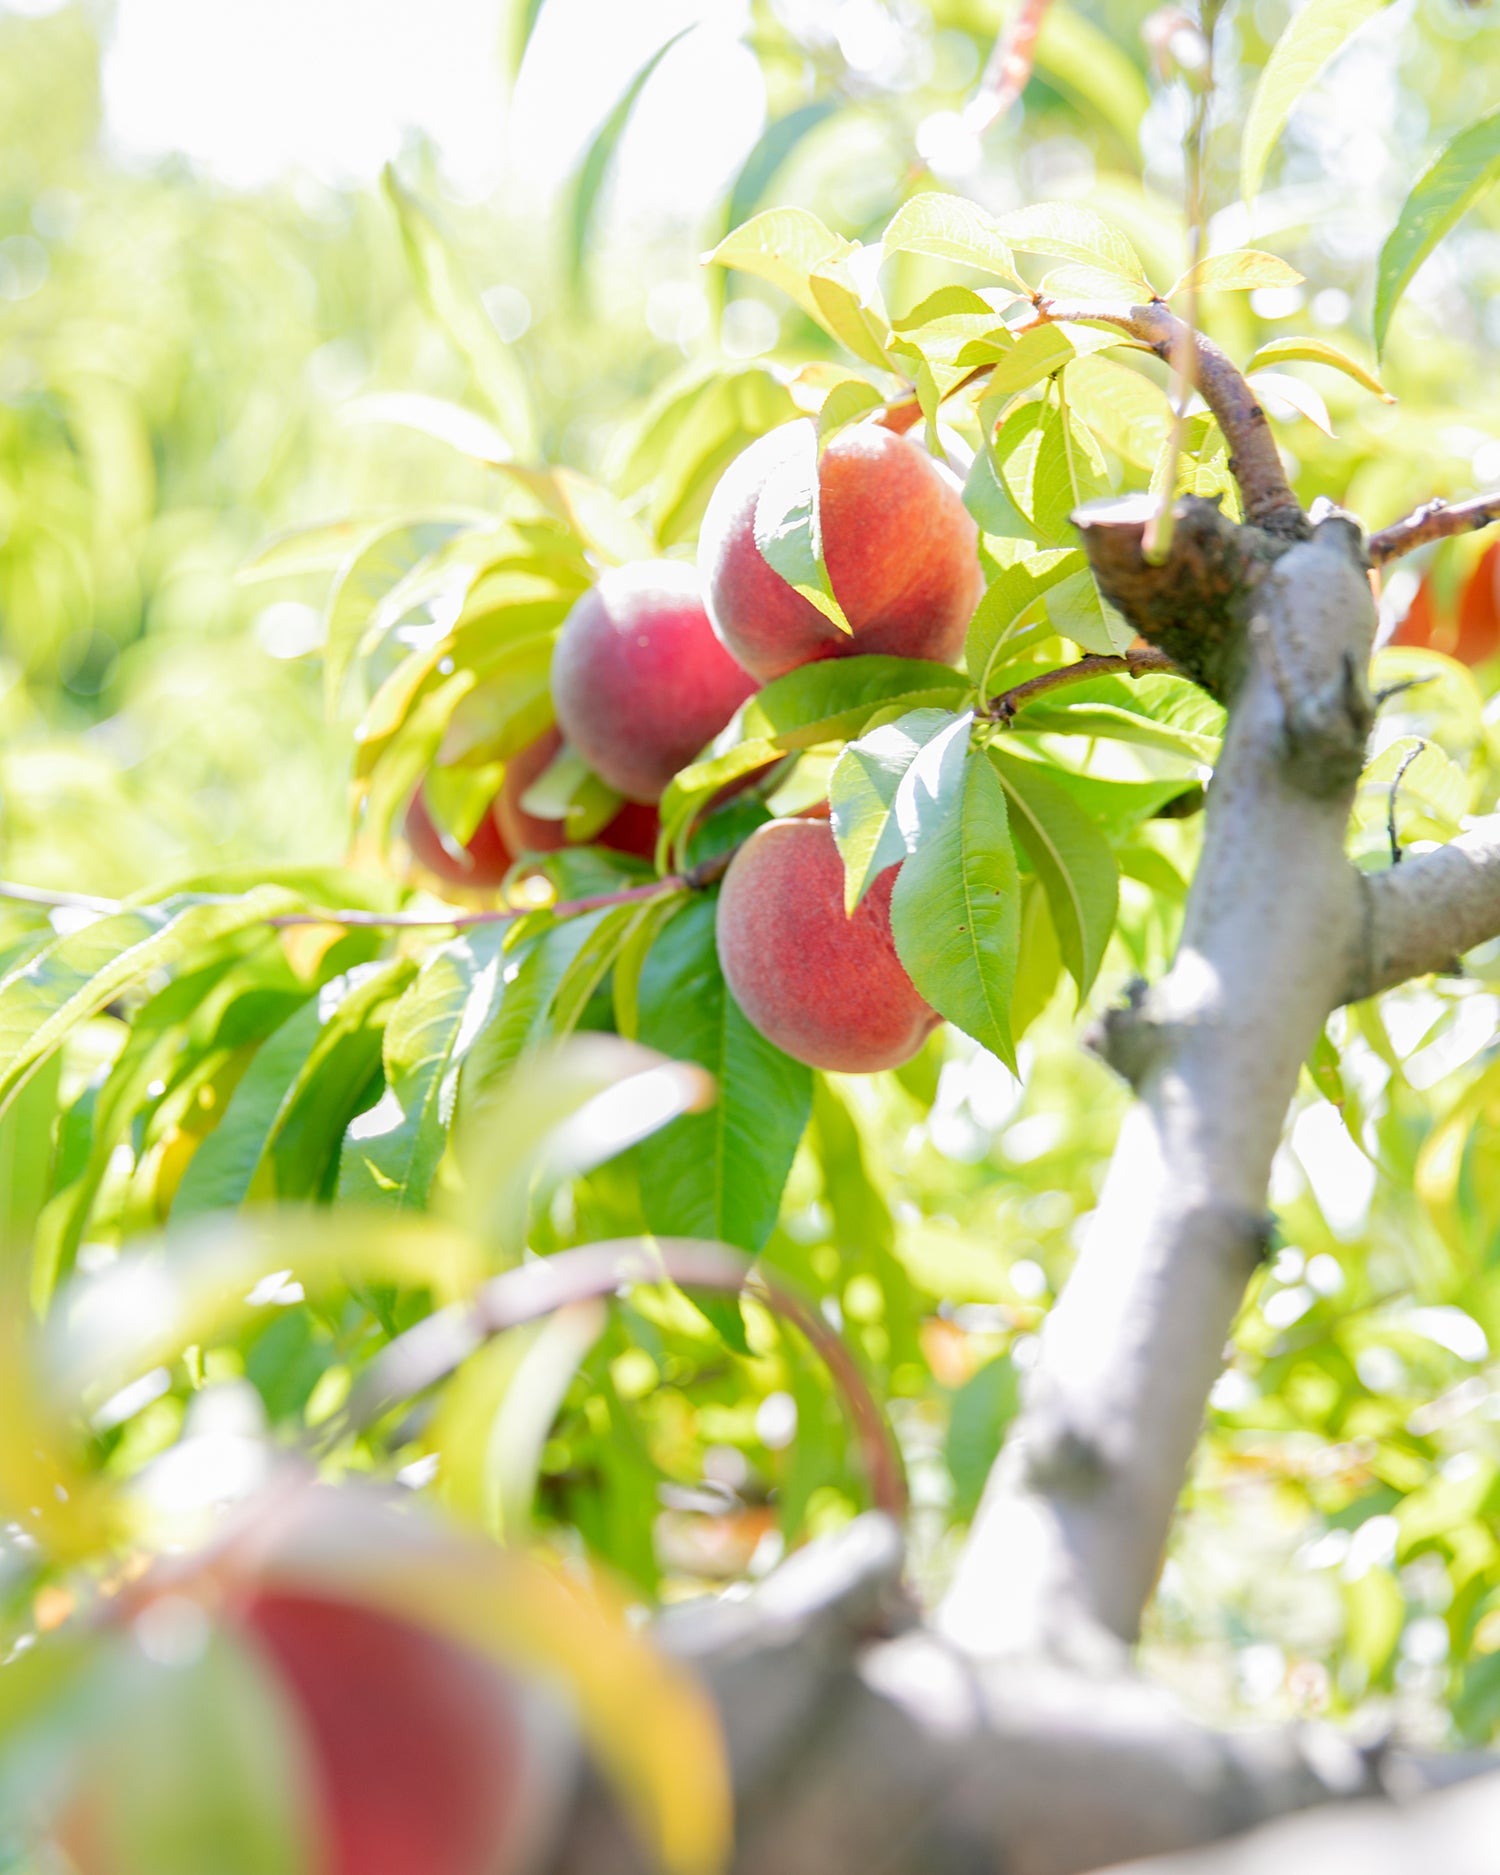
(254, 88)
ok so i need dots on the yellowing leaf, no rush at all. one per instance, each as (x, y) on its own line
(1239, 271)
(1319, 352)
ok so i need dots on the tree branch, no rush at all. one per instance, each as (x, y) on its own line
(1435, 520)
(1002, 708)
(1253, 457)
(1422, 915)
(1068, 1541)
(1007, 69)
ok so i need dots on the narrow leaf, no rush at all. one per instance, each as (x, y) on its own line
(391, 1153)
(862, 792)
(1460, 174)
(1313, 36)
(1240, 270)
(595, 165)
(1072, 859)
(455, 305)
(788, 528)
(956, 911)
(1318, 352)
(774, 146)
(720, 1173)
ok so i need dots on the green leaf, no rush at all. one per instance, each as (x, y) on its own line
(1034, 356)
(464, 430)
(1124, 409)
(626, 982)
(1460, 174)
(956, 908)
(784, 246)
(520, 21)
(720, 1173)
(1160, 712)
(1050, 465)
(1072, 860)
(1241, 270)
(27, 1130)
(849, 399)
(303, 1144)
(982, 1409)
(76, 976)
(1010, 595)
(376, 565)
(455, 305)
(595, 165)
(862, 792)
(532, 972)
(1079, 611)
(842, 313)
(199, 1767)
(1069, 231)
(788, 528)
(220, 1172)
(1116, 808)
(295, 551)
(1315, 352)
(951, 228)
(391, 1152)
(590, 965)
(774, 145)
(954, 326)
(834, 697)
(1309, 42)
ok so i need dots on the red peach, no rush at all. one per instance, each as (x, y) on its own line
(827, 989)
(633, 829)
(900, 547)
(417, 1754)
(640, 682)
(481, 865)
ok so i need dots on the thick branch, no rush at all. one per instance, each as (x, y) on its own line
(1436, 520)
(1069, 1539)
(1253, 457)
(1425, 913)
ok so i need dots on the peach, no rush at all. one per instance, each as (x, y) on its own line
(900, 547)
(416, 1753)
(481, 865)
(827, 989)
(1473, 636)
(639, 679)
(633, 829)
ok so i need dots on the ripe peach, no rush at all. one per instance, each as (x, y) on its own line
(827, 989)
(417, 1754)
(639, 679)
(900, 547)
(1474, 635)
(481, 865)
(633, 829)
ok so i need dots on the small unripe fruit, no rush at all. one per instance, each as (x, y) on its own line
(480, 866)
(828, 989)
(633, 829)
(900, 547)
(640, 682)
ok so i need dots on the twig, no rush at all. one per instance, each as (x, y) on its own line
(59, 901)
(1008, 68)
(1254, 460)
(1396, 779)
(1435, 520)
(1143, 663)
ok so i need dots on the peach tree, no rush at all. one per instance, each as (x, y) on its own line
(909, 688)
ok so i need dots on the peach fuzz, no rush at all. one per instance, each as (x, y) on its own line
(827, 989)
(900, 547)
(640, 682)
